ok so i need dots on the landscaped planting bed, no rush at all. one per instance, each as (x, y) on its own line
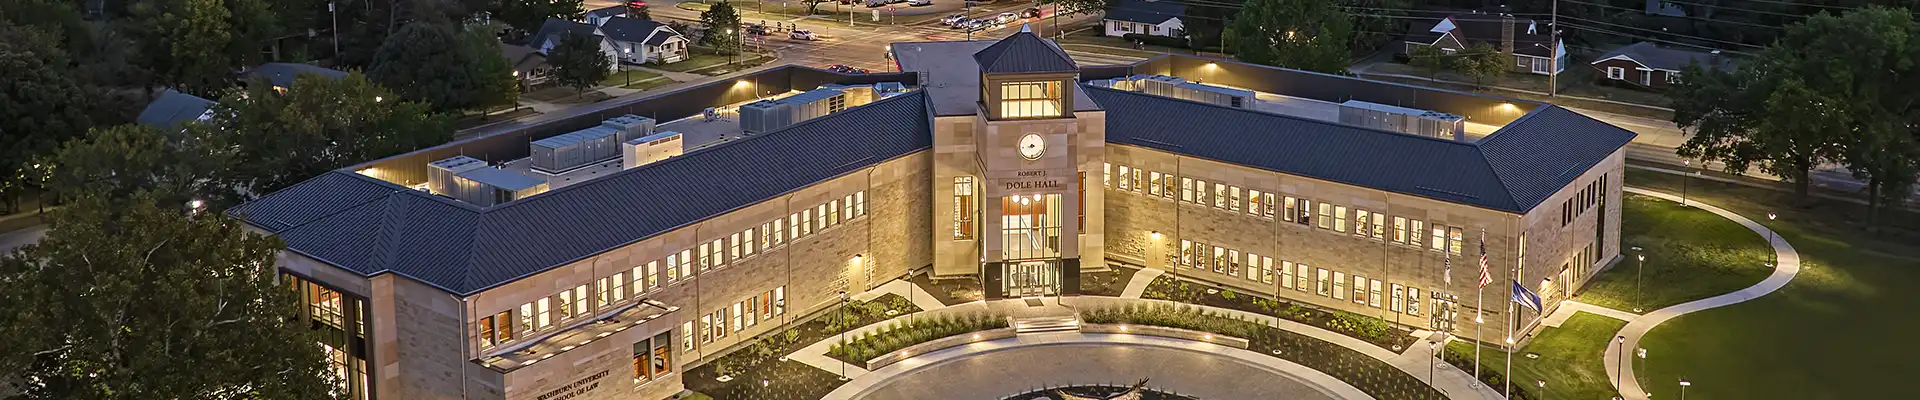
(898, 335)
(1106, 283)
(758, 362)
(1372, 376)
(1370, 329)
(1095, 392)
(950, 291)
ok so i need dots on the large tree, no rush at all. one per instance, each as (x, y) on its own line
(1309, 35)
(1756, 118)
(196, 45)
(525, 16)
(123, 160)
(578, 62)
(133, 299)
(1481, 61)
(41, 105)
(723, 28)
(454, 70)
(270, 140)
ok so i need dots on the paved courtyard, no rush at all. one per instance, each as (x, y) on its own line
(1189, 371)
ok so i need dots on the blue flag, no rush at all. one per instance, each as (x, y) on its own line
(1525, 297)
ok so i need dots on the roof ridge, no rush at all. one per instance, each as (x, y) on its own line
(1287, 116)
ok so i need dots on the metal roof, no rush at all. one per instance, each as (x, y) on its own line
(283, 74)
(951, 82)
(1024, 53)
(1512, 170)
(576, 137)
(173, 108)
(1145, 11)
(556, 26)
(372, 227)
(629, 29)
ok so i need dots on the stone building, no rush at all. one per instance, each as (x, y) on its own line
(1002, 163)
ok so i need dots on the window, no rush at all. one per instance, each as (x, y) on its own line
(486, 331)
(1219, 196)
(580, 305)
(1340, 219)
(963, 206)
(1415, 230)
(1646, 77)
(753, 311)
(847, 210)
(719, 253)
(1360, 218)
(1170, 187)
(737, 324)
(860, 203)
(806, 223)
(686, 264)
(1220, 260)
(779, 232)
(686, 336)
(780, 300)
(1186, 190)
(1106, 174)
(1400, 230)
(706, 328)
(601, 297)
(1339, 286)
(1616, 73)
(1033, 226)
(526, 318)
(1139, 180)
(1153, 183)
(833, 212)
(1321, 288)
(1200, 257)
(1301, 274)
(541, 317)
(1233, 262)
(793, 220)
(747, 249)
(1186, 253)
(1373, 293)
(1234, 202)
(1266, 269)
(1413, 301)
(1326, 216)
(1359, 290)
(1030, 99)
(733, 246)
(820, 218)
(638, 274)
(719, 324)
(1200, 192)
(1673, 77)
(706, 256)
(1126, 178)
(566, 306)
(766, 305)
(1286, 274)
(1439, 237)
(1453, 240)
(1398, 298)
(1267, 205)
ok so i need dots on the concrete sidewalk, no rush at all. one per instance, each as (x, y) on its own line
(1786, 266)
(1138, 285)
(1567, 308)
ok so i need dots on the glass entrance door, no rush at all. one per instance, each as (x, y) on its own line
(1032, 278)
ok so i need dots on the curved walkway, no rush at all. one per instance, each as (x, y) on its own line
(998, 368)
(1786, 266)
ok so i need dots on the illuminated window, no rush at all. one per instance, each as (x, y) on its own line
(1400, 230)
(1379, 226)
(1126, 178)
(1301, 274)
(1200, 192)
(1233, 203)
(1439, 237)
(541, 316)
(1326, 216)
(1030, 99)
(1286, 274)
(686, 336)
(1254, 202)
(1266, 269)
(1373, 293)
(963, 202)
(580, 306)
(1339, 218)
(1413, 301)
(1359, 290)
(1030, 226)
(1453, 239)
(1415, 230)
(1321, 283)
(779, 232)
(1360, 218)
(1219, 196)
(686, 264)
(718, 247)
(1399, 300)
(746, 249)
(733, 246)
(860, 203)
(565, 306)
(1153, 183)
(737, 325)
(780, 300)
(1186, 190)
(1339, 286)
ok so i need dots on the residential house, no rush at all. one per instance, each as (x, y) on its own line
(551, 32)
(1530, 42)
(1650, 66)
(1146, 17)
(600, 15)
(642, 41)
(281, 75)
(528, 65)
(173, 108)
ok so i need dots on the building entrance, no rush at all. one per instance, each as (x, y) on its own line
(1032, 278)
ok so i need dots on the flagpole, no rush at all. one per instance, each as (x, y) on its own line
(1511, 309)
(1479, 295)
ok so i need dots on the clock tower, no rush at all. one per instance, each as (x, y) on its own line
(1032, 141)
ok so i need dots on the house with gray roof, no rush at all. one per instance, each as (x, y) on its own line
(1649, 66)
(281, 75)
(1530, 42)
(1145, 17)
(644, 41)
(997, 167)
(172, 109)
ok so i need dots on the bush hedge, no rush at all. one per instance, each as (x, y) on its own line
(1179, 42)
(900, 335)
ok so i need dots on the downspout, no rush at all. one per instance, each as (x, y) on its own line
(465, 343)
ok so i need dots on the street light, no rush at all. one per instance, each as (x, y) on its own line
(1683, 181)
(1617, 359)
(843, 331)
(1543, 388)
(1431, 348)
(1683, 388)
(1770, 218)
(1639, 269)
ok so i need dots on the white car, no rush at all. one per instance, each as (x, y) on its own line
(1007, 17)
(802, 34)
(951, 19)
(919, 3)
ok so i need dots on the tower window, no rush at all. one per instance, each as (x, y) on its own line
(1030, 99)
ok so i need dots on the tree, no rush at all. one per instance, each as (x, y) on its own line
(723, 28)
(525, 16)
(268, 140)
(1430, 58)
(120, 161)
(176, 305)
(41, 104)
(578, 62)
(453, 71)
(1310, 35)
(195, 45)
(637, 9)
(1752, 118)
(1481, 61)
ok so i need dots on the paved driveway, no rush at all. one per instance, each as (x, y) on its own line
(15, 239)
(1002, 373)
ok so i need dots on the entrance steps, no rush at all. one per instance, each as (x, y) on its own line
(1046, 324)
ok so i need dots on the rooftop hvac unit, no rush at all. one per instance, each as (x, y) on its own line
(857, 95)
(888, 89)
(574, 150)
(1158, 85)
(470, 180)
(630, 126)
(770, 115)
(1404, 120)
(1215, 95)
(651, 149)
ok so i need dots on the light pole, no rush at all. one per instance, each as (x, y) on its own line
(1543, 388)
(1683, 180)
(1642, 353)
(1770, 218)
(1640, 268)
(843, 332)
(1683, 388)
(1618, 359)
(1431, 348)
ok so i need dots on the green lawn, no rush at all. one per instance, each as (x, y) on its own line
(1691, 254)
(1841, 330)
(629, 77)
(1570, 359)
(700, 58)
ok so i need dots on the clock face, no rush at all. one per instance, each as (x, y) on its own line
(1032, 146)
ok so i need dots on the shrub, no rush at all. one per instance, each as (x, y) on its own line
(1178, 42)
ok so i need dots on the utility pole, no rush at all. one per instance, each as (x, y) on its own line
(335, 15)
(1553, 55)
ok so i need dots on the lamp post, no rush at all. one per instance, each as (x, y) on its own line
(1640, 268)
(1770, 218)
(1683, 181)
(1642, 353)
(1683, 388)
(1543, 388)
(1618, 359)
(1431, 348)
(843, 331)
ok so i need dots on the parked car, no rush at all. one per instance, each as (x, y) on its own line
(846, 69)
(1033, 12)
(960, 23)
(802, 34)
(756, 29)
(950, 19)
(979, 24)
(876, 3)
(919, 3)
(1008, 17)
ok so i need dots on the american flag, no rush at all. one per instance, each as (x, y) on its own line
(1485, 277)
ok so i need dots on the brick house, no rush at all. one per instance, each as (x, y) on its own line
(1530, 42)
(1646, 65)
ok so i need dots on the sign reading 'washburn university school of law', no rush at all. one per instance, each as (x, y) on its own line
(1031, 180)
(576, 388)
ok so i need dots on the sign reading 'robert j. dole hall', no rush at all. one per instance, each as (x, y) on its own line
(1029, 180)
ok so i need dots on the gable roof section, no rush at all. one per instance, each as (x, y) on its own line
(1470, 29)
(1512, 170)
(1145, 11)
(1653, 56)
(556, 26)
(1543, 151)
(629, 29)
(608, 12)
(173, 108)
(283, 74)
(373, 227)
(1024, 53)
